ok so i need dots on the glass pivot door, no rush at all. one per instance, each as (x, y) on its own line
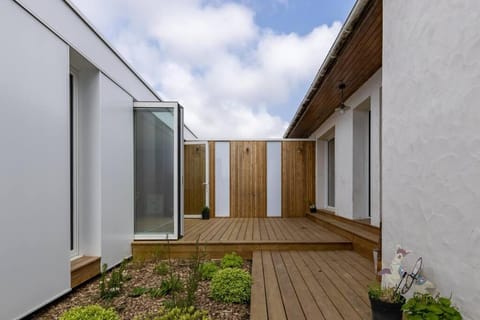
(158, 130)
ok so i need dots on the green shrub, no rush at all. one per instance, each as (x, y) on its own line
(231, 285)
(110, 286)
(172, 284)
(137, 292)
(162, 268)
(208, 269)
(231, 260)
(425, 306)
(92, 312)
(176, 313)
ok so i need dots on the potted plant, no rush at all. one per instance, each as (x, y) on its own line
(312, 207)
(386, 303)
(426, 306)
(206, 213)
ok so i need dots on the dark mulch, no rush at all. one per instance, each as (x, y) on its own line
(143, 275)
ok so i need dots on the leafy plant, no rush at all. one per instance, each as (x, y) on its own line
(208, 269)
(176, 313)
(205, 210)
(110, 286)
(162, 268)
(172, 284)
(231, 260)
(194, 277)
(425, 306)
(231, 285)
(91, 312)
(156, 292)
(138, 291)
(376, 292)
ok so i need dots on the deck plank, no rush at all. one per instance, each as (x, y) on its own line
(275, 306)
(258, 305)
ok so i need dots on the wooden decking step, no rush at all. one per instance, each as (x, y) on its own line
(325, 285)
(365, 238)
(83, 269)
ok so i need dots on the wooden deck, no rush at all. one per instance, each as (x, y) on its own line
(329, 285)
(245, 235)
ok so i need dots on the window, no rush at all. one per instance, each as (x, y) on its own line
(331, 173)
(73, 164)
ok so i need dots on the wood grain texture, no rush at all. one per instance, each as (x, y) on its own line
(211, 180)
(248, 179)
(83, 269)
(298, 177)
(310, 285)
(194, 178)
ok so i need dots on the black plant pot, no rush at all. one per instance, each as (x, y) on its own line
(205, 215)
(385, 310)
(313, 210)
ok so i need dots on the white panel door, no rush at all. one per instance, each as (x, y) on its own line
(274, 179)
(222, 179)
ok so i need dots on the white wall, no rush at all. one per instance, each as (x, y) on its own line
(274, 179)
(116, 172)
(34, 164)
(343, 127)
(60, 17)
(431, 141)
(222, 179)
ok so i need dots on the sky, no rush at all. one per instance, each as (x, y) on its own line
(240, 68)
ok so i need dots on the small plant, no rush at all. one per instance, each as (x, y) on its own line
(176, 313)
(206, 213)
(425, 306)
(231, 260)
(92, 312)
(111, 286)
(137, 292)
(172, 284)
(389, 295)
(231, 285)
(208, 269)
(162, 268)
(156, 293)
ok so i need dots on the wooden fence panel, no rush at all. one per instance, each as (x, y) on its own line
(248, 179)
(298, 177)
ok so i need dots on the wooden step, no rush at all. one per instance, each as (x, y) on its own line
(365, 238)
(83, 269)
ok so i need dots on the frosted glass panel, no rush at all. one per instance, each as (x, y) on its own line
(331, 173)
(222, 179)
(154, 171)
(274, 179)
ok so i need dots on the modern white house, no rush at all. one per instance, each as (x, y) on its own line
(390, 122)
(70, 110)
(402, 148)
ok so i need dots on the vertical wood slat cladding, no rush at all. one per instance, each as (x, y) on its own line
(211, 179)
(298, 177)
(194, 177)
(248, 179)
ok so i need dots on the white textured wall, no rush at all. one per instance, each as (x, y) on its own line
(34, 164)
(116, 171)
(343, 126)
(431, 141)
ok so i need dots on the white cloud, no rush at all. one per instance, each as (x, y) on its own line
(230, 74)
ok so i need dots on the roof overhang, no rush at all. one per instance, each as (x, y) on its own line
(354, 57)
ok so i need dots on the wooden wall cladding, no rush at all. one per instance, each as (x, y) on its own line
(298, 177)
(211, 179)
(248, 179)
(194, 177)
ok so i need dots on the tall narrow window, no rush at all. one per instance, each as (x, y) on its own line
(331, 173)
(72, 200)
(73, 215)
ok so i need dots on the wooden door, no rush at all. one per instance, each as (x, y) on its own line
(248, 179)
(194, 178)
(298, 177)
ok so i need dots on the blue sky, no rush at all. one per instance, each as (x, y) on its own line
(240, 68)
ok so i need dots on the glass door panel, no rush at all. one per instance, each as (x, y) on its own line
(157, 174)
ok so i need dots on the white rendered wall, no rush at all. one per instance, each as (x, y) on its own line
(431, 141)
(274, 179)
(343, 127)
(222, 179)
(34, 164)
(60, 17)
(116, 172)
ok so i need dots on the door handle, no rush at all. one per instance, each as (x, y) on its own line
(205, 183)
